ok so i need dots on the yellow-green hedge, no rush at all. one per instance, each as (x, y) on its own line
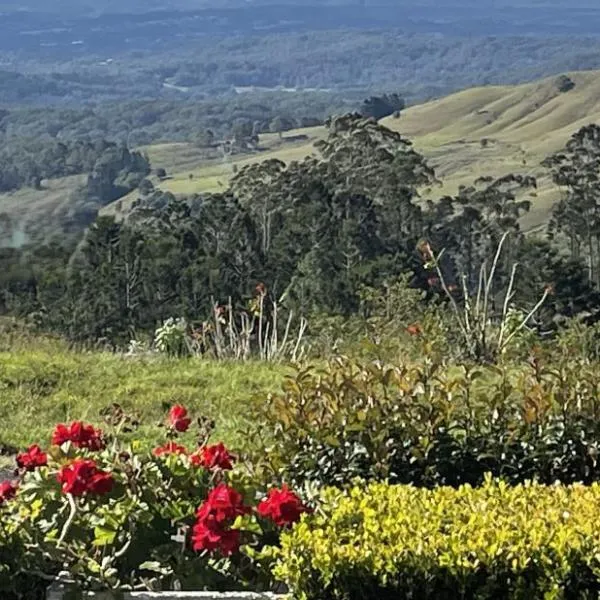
(384, 542)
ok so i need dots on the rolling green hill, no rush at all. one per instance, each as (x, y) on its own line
(491, 130)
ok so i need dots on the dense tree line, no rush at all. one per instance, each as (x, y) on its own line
(148, 121)
(37, 144)
(26, 162)
(313, 232)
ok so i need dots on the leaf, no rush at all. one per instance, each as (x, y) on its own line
(331, 440)
(104, 536)
(155, 567)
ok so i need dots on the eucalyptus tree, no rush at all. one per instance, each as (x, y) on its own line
(576, 169)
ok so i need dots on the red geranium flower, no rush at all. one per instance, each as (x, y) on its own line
(32, 458)
(79, 434)
(169, 448)
(222, 504)
(282, 506)
(211, 538)
(83, 476)
(214, 519)
(178, 418)
(8, 491)
(213, 457)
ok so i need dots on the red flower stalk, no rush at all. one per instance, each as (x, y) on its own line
(80, 435)
(32, 458)
(213, 457)
(8, 490)
(178, 418)
(83, 476)
(169, 448)
(282, 507)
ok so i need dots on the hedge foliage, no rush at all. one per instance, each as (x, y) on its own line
(497, 541)
(432, 424)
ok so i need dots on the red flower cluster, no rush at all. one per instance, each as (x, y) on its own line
(32, 458)
(214, 518)
(213, 457)
(169, 448)
(83, 476)
(8, 491)
(178, 418)
(79, 434)
(282, 506)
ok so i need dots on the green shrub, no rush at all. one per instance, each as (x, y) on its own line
(430, 424)
(496, 542)
(393, 323)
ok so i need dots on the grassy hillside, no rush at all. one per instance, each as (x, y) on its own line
(34, 213)
(193, 176)
(42, 382)
(522, 125)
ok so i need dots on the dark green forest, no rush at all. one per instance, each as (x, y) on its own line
(418, 65)
(315, 234)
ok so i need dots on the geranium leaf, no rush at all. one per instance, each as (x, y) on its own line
(104, 536)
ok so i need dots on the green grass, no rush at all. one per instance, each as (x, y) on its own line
(43, 383)
(35, 213)
(209, 176)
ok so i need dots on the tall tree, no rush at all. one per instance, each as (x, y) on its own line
(576, 170)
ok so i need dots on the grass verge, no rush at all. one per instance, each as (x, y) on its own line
(46, 383)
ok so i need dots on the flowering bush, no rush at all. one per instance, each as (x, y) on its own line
(213, 457)
(79, 434)
(32, 458)
(83, 477)
(102, 514)
(215, 519)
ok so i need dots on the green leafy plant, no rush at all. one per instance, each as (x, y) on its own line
(494, 542)
(171, 338)
(431, 424)
(394, 322)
